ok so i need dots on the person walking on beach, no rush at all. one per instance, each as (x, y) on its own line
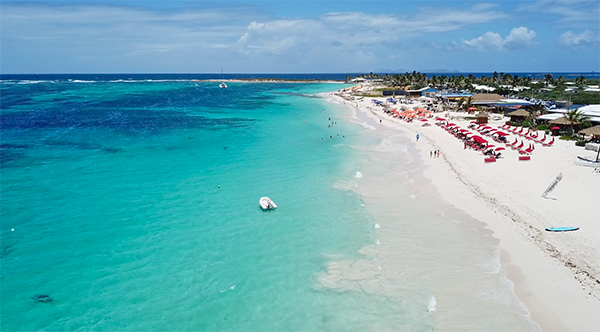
(417, 137)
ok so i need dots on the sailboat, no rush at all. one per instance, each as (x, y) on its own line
(222, 85)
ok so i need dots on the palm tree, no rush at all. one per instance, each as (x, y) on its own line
(574, 117)
(549, 79)
(465, 104)
(535, 110)
(580, 80)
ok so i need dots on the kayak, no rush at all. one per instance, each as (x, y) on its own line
(561, 229)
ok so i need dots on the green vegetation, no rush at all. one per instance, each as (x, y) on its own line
(547, 87)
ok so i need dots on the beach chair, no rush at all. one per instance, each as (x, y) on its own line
(549, 143)
(517, 147)
(529, 150)
(533, 137)
(513, 143)
(541, 141)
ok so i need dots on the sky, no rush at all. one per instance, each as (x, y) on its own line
(326, 36)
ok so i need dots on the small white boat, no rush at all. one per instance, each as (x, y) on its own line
(223, 85)
(266, 203)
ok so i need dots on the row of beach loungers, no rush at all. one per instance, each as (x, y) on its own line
(491, 151)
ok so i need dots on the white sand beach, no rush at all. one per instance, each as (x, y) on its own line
(555, 275)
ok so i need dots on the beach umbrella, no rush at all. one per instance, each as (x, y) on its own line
(472, 108)
(555, 128)
(499, 149)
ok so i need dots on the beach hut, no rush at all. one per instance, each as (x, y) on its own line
(562, 123)
(482, 118)
(594, 131)
(518, 115)
(486, 98)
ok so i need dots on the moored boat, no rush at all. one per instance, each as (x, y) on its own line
(266, 203)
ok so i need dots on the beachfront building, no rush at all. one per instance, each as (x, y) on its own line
(592, 112)
(482, 118)
(486, 99)
(518, 115)
(412, 94)
(455, 97)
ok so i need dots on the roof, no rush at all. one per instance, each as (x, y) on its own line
(561, 121)
(595, 130)
(519, 113)
(456, 95)
(481, 115)
(550, 116)
(421, 89)
(487, 97)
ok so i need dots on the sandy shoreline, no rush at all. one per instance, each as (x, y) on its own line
(556, 275)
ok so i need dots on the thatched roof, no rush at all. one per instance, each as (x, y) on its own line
(481, 115)
(519, 113)
(562, 121)
(595, 130)
(486, 97)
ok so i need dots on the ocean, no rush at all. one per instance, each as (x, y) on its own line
(132, 202)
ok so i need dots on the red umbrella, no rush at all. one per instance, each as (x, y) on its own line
(499, 149)
(490, 146)
(472, 108)
(555, 128)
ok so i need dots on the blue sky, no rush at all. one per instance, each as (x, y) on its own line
(129, 36)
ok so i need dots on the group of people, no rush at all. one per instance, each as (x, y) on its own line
(434, 154)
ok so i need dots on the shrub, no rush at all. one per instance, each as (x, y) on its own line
(580, 142)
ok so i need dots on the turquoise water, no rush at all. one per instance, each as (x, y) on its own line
(133, 204)
(135, 207)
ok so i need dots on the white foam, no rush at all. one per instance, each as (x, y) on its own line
(377, 225)
(412, 196)
(228, 289)
(358, 174)
(345, 185)
(432, 304)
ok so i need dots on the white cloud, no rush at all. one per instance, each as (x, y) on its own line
(566, 13)
(570, 39)
(485, 42)
(520, 37)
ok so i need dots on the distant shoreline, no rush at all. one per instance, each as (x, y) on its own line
(271, 80)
